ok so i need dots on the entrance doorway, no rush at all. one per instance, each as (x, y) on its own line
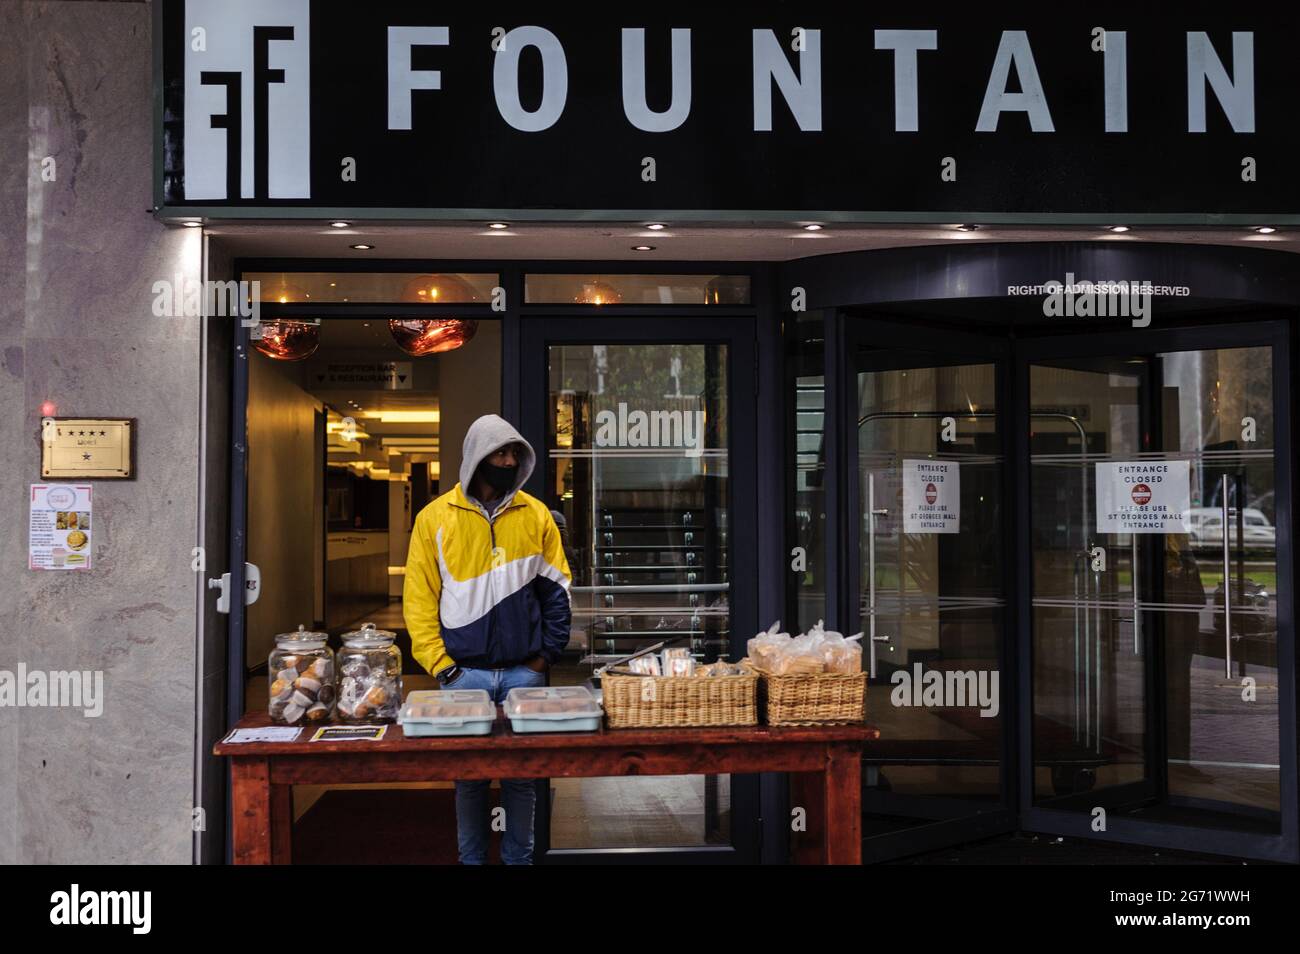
(1070, 559)
(927, 498)
(650, 469)
(1160, 641)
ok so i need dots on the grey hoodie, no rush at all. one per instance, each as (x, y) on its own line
(491, 432)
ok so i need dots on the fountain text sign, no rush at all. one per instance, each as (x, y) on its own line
(775, 111)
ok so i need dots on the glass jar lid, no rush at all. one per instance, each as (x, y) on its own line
(304, 638)
(368, 637)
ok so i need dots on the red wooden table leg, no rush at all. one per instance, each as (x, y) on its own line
(843, 804)
(281, 824)
(250, 810)
(808, 796)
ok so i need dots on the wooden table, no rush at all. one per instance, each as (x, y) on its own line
(828, 759)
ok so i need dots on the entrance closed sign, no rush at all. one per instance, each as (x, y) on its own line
(1143, 496)
(931, 496)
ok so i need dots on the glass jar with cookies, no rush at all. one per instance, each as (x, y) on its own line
(370, 676)
(301, 672)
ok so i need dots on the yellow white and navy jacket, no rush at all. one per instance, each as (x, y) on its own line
(480, 591)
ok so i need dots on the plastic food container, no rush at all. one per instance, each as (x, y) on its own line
(553, 709)
(448, 712)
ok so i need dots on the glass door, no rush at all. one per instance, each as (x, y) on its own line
(928, 557)
(1161, 638)
(642, 463)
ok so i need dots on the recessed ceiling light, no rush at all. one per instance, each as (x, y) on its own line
(498, 225)
(193, 225)
(656, 226)
(643, 248)
(1119, 228)
(362, 248)
(813, 228)
(1266, 230)
(967, 228)
(341, 225)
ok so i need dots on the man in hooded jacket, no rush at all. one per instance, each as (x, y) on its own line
(486, 602)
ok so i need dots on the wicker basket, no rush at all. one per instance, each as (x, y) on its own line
(633, 701)
(816, 699)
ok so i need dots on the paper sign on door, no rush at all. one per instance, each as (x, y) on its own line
(931, 496)
(1143, 496)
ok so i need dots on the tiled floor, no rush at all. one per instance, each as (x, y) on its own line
(637, 812)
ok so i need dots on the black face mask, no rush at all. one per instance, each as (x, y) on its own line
(500, 479)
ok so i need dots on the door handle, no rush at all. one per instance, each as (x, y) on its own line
(873, 641)
(1227, 586)
(1137, 609)
(872, 513)
(252, 587)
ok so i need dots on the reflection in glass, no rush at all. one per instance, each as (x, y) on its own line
(933, 601)
(637, 458)
(608, 289)
(1141, 701)
(806, 480)
(375, 287)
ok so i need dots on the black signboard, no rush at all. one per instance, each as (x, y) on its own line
(914, 112)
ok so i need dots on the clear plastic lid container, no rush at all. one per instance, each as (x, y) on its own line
(368, 637)
(447, 707)
(552, 702)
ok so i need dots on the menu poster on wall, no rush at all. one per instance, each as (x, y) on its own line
(59, 527)
(1143, 496)
(931, 496)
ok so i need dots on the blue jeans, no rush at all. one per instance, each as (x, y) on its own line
(473, 820)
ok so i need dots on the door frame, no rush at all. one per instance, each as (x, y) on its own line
(537, 333)
(899, 341)
(753, 327)
(1274, 333)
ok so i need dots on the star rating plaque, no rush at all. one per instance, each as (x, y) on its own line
(77, 447)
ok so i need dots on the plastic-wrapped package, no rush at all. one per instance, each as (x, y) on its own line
(724, 668)
(817, 651)
(765, 648)
(678, 662)
(843, 655)
(646, 665)
(803, 657)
